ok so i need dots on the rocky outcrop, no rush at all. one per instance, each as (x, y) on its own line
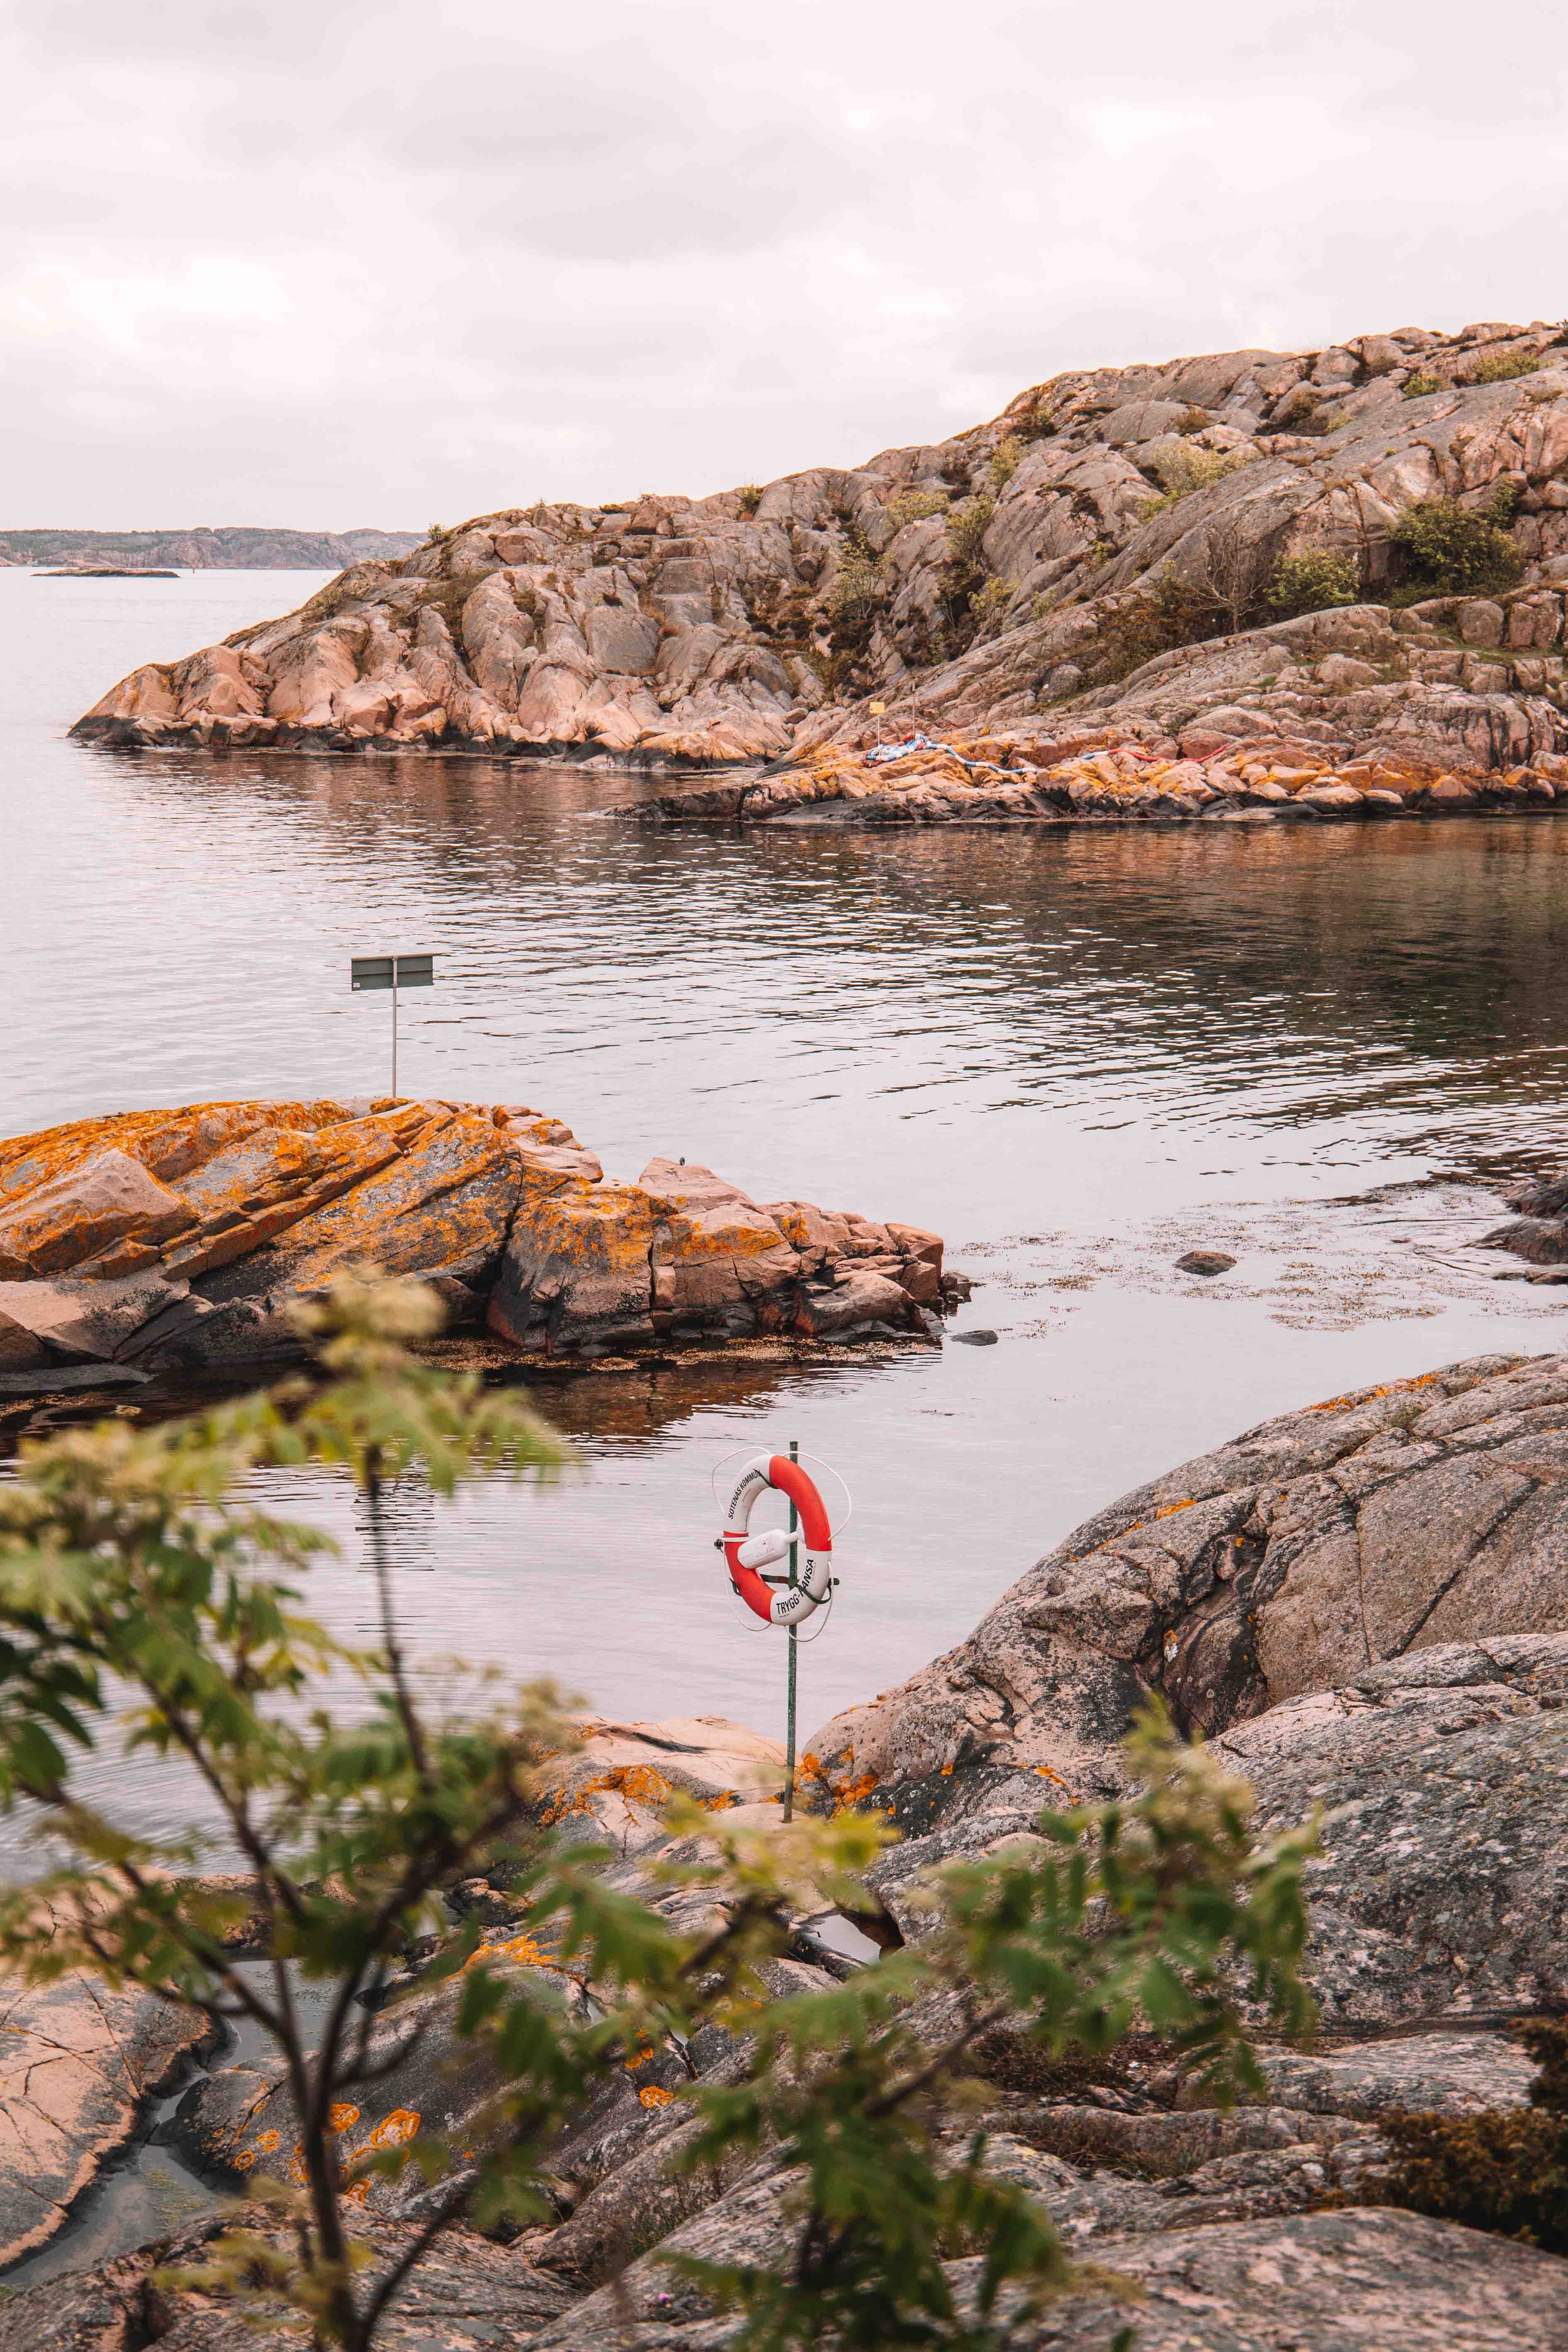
(1538, 1231)
(77, 2061)
(1100, 776)
(1091, 569)
(1313, 2283)
(1315, 1549)
(1442, 1887)
(183, 1239)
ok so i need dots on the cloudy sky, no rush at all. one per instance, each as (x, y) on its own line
(337, 264)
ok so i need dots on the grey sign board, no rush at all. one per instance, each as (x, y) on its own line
(392, 971)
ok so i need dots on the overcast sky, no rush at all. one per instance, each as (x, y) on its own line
(332, 263)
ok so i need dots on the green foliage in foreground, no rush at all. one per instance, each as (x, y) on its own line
(133, 1560)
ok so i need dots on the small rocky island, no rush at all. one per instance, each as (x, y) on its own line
(180, 1240)
(1248, 585)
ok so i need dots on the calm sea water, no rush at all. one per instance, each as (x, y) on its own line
(1075, 1054)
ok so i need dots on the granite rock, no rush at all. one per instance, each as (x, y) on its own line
(184, 1239)
(77, 2061)
(1324, 1545)
(688, 633)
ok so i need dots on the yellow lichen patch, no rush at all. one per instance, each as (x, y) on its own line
(523, 1949)
(854, 1793)
(266, 2142)
(641, 1783)
(394, 2130)
(567, 1801)
(168, 1143)
(1168, 1510)
(244, 2160)
(340, 2118)
(1045, 1773)
(652, 2097)
(638, 1783)
(1366, 1396)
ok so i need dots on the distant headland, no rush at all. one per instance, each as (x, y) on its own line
(235, 548)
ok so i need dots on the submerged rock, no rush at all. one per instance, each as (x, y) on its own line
(182, 1239)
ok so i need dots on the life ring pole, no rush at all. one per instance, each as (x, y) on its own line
(789, 1700)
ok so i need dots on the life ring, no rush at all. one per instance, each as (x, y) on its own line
(745, 1555)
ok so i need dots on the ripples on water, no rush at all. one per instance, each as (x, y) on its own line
(1074, 1052)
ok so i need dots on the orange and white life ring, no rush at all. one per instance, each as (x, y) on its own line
(746, 1555)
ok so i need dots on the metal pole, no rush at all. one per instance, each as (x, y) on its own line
(394, 1028)
(789, 1704)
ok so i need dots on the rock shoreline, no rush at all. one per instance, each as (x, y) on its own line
(181, 1241)
(1013, 780)
(1008, 579)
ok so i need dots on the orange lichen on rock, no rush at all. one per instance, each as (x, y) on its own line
(1365, 1396)
(185, 1237)
(650, 2096)
(520, 1949)
(394, 2130)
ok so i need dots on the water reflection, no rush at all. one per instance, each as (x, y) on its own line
(1077, 1054)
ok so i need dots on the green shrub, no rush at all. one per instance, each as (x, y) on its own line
(1417, 386)
(1194, 420)
(1136, 627)
(750, 498)
(988, 604)
(1501, 367)
(967, 527)
(915, 506)
(857, 592)
(1036, 424)
(1451, 550)
(1005, 460)
(1311, 583)
(1181, 469)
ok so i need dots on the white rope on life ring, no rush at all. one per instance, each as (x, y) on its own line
(746, 1555)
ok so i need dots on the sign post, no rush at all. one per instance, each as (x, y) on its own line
(393, 972)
